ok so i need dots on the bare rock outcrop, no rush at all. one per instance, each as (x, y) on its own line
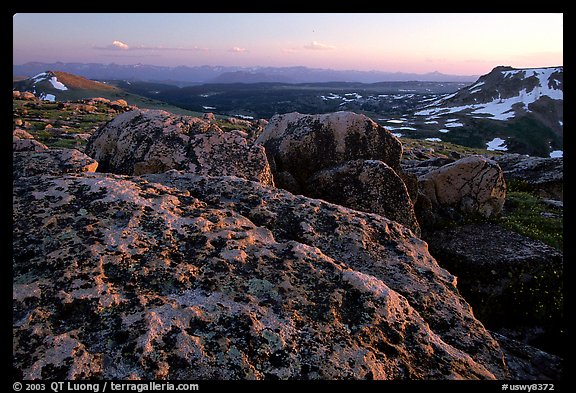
(542, 175)
(153, 141)
(27, 144)
(179, 276)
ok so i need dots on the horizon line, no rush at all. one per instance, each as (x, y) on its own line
(258, 66)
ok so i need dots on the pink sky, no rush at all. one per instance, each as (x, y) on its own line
(464, 44)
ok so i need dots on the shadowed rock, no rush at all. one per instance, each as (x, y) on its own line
(365, 185)
(513, 282)
(542, 175)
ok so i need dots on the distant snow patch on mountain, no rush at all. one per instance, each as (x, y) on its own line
(497, 144)
(500, 94)
(57, 85)
(48, 97)
(556, 153)
(43, 76)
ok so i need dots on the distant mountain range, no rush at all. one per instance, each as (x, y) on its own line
(184, 75)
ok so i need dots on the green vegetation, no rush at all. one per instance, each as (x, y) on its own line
(527, 214)
(444, 148)
(67, 143)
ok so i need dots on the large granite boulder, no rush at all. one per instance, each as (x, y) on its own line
(153, 141)
(299, 145)
(342, 157)
(471, 186)
(179, 276)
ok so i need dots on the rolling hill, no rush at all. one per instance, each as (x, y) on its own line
(63, 86)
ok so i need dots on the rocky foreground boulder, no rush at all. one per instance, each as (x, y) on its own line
(365, 185)
(342, 157)
(154, 141)
(180, 276)
(24, 141)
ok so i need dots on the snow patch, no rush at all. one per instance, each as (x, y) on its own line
(455, 124)
(501, 108)
(401, 128)
(48, 97)
(557, 153)
(40, 77)
(497, 144)
(57, 85)
(434, 139)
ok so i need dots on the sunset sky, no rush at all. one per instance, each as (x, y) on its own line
(452, 43)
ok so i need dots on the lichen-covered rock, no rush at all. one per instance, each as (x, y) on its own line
(473, 185)
(154, 141)
(51, 161)
(366, 185)
(178, 276)
(299, 145)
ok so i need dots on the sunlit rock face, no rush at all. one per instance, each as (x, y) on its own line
(180, 276)
(50, 161)
(154, 141)
(472, 186)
